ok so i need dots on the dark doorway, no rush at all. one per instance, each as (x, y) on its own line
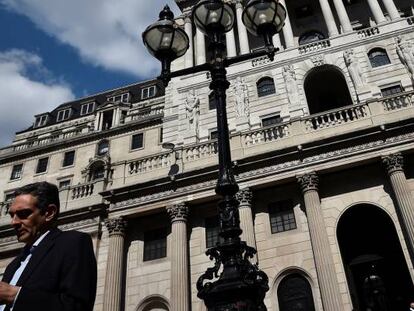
(375, 266)
(326, 89)
(295, 294)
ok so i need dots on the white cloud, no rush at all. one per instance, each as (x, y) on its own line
(22, 97)
(106, 33)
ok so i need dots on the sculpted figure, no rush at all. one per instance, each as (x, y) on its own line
(405, 51)
(354, 68)
(291, 85)
(242, 101)
(192, 106)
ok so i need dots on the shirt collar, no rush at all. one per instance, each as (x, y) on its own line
(39, 239)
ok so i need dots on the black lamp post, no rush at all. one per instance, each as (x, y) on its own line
(234, 283)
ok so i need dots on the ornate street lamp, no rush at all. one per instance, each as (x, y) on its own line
(234, 283)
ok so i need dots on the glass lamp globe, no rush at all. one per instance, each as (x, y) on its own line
(213, 16)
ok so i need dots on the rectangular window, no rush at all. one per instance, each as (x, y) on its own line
(41, 120)
(124, 98)
(87, 108)
(63, 115)
(42, 165)
(271, 120)
(8, 197)
(161, 134)
(16, 172)
(391, 90)
(212, 231)
(137, 141)
(64, 184)
(148, 92)
(282, 217)
(155, 244)
(68, 158)
(212, 101)
(214, 134)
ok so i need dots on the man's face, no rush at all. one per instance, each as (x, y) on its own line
(412, 305)
(27, 220)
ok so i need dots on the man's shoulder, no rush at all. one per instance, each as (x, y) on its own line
(73, 235)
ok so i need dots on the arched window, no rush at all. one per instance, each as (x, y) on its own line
(103, 147)
(378, 57)
(265, 86)
(311, 36)
(295, 293)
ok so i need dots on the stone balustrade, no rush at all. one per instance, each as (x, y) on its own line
(149, 163)
(368, 32)
(147, 112)
(82, 191)
(314, 46)
(267, 134)
(399, 101)
(200, 151)
(336, 117)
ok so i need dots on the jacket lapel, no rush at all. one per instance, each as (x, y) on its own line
(41, 250)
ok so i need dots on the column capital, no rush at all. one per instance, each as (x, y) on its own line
(244, 196)
(393, 162)
(178, 212)
(116, 226)
(308, 181)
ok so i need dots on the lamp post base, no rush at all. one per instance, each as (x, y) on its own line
(241, 286)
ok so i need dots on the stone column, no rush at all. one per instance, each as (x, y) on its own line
(244, 196)
(276, 42)
(325, 267)
(241, 29)
(287, 29)
(328, 16)
(391, 9)
(405, 201)
(376, 11)
(200, 47)
(343, 16)
(231, 44)
(180, 282)
(189, 56)
(114, 268)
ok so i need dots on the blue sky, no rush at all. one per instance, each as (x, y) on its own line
(53, 51)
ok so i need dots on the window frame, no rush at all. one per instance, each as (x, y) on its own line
(98, 153)
(271, 117)
(42, 120)
(131, 146)
(121, 98)
(64, 158)
(148, 90)
(61, 114)
(374, 63)
(13, 172)
(69, 181)
(212, 104)
(88, 109)
(281, 209)
(269, 81)
(37, 172)
(212, 230)
(384, 89)
(155, 244)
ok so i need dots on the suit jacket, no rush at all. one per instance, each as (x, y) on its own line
(60, 276)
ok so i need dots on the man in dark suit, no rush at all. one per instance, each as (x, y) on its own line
(56, 270)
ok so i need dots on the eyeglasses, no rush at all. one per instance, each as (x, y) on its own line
(22, 214)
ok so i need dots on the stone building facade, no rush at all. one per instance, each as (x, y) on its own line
(322, 141)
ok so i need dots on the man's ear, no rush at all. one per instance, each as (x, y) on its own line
(51, 211)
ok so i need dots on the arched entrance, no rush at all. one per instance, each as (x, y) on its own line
(295, 294)
(326, 89)
(375, 266)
